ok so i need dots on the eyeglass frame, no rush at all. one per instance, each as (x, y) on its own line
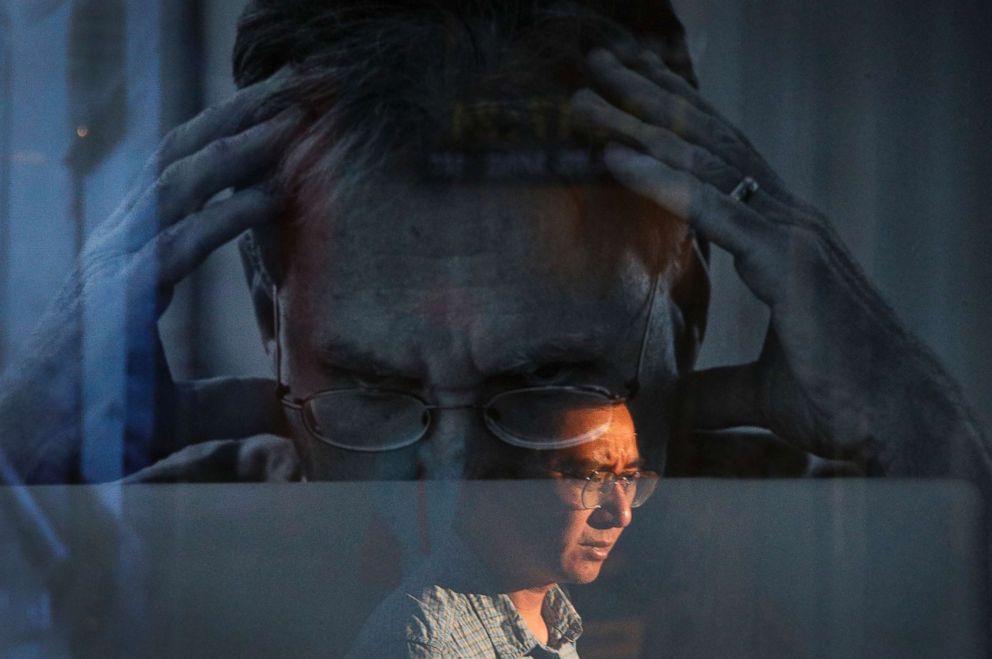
(298, 405)
(614, 480)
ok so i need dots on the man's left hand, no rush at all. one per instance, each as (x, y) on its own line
(838, 374)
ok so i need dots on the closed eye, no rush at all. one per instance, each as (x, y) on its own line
(383, 381)
(600, 476)
(368, 378)
(552, 373)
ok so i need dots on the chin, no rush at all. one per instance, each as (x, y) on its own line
(581, 572)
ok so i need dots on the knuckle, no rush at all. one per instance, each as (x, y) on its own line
(211, 116)
(220, 149)
(173, 140)
(98, 266)
(169, 184)
(699, 159)
(168, 239)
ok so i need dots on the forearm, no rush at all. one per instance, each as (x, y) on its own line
(927, 428)
(40, 404)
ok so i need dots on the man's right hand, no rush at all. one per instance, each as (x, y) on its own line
(162, 231)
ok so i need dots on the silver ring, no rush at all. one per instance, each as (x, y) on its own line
(745, 190)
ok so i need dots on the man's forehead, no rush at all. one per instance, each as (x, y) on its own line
(616, 450)
(488, 276)
(402, 226)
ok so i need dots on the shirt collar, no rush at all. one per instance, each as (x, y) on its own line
(510, 635)
(465, 572)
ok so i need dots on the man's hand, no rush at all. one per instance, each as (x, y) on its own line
(160, 233)
(838, 374)
(264, 458)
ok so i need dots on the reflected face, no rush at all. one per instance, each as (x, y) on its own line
(536, 531)
(580, 539)
(457, 295)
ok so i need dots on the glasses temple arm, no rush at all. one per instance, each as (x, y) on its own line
(635, 385)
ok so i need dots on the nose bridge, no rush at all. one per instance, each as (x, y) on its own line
(617, 504)
(443, 452)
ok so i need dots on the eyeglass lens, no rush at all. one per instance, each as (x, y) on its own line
(367, 420)
(376, 420)
(550, 417)
(636, 490)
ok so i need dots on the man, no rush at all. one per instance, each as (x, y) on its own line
(444, 298)
(493, 590)
(388, 282)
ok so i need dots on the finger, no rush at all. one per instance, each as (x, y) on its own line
(268, 459)
(248, 106)
(255, 459)
(231, 162)
(757, 244)
(209, 462)
(652, 67)
(725, 397)
(643, 98)
(180, 248)
(657, 141)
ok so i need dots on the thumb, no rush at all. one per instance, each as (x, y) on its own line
(262, 458)
(725, 397)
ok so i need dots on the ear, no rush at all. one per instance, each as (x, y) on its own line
(262, 287)
(691, 294)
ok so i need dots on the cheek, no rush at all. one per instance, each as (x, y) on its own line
(570, 531)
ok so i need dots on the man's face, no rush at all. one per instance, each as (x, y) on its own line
(575, 540)
(538, 530)
(460, 294)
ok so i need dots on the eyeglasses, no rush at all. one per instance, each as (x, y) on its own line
(540, 417)
(598, 486)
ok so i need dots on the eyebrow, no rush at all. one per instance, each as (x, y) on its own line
(570, 348)
(596, 465)
(343, 354)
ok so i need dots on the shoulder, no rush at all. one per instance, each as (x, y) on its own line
(414, 621)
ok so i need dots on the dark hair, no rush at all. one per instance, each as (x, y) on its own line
(379, 79)
(275, 33)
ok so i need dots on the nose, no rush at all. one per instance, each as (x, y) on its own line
(615, 510)
(443, 452)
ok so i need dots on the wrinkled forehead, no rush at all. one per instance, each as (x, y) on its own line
(470, 263)
(556, 239)
(557, 229)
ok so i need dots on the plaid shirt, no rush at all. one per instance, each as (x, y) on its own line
(449, 609)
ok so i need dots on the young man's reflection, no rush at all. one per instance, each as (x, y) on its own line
(493, 588)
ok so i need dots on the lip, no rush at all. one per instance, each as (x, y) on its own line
(597, 551)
